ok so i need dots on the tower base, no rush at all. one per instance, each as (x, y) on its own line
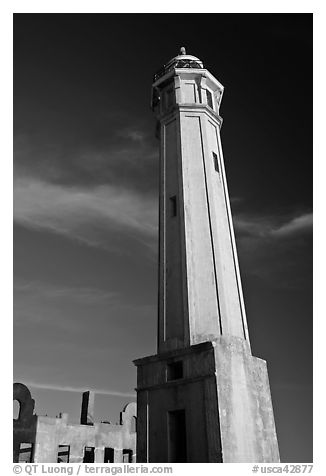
(210, 403)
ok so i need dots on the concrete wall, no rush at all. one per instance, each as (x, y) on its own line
(52, 432)
(247, 424)
(203, 296)
(172, 302)
(47, 433)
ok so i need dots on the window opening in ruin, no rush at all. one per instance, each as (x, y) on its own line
(63, 454)
(173, 202)
(16, 409)
(174, 370)
(133, 427)
(108, 455)
(127, 456)
(209, 98)
(215, 162)
(177, 437)
(25, 453)
(89, 454)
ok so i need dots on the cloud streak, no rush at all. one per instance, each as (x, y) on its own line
(270, 227)
(67, 388)
(297, 225)
(128, 158)
(85, 214)
(51, 291)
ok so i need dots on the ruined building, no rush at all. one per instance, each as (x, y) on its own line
(43, 439)
(203, 397)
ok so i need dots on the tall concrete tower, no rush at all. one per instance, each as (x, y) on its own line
(203, 397)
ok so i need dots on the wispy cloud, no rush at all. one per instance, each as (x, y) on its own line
(236, 200)
(128, 158)
(66, 388)
(270, 227)
(132, 134)
(81, 294)
(295, 226)
(86, 214)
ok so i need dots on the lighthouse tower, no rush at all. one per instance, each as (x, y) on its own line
(203, 397)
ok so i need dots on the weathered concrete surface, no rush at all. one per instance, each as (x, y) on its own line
(52, 432)
(47, 433)
(247, 424)
(226, 397)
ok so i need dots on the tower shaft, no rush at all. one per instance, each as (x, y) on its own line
(200, 295)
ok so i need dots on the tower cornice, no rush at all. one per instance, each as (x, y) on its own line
(191, 108)
(189, 73)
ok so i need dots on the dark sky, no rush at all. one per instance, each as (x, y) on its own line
(86, 192)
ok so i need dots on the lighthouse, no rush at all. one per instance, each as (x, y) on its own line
(203, 397)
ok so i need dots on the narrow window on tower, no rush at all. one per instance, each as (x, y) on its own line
(209, 99)
(215, 159)
(169, 98)
(173, 205)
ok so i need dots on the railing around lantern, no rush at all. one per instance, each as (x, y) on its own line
(182, 63)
